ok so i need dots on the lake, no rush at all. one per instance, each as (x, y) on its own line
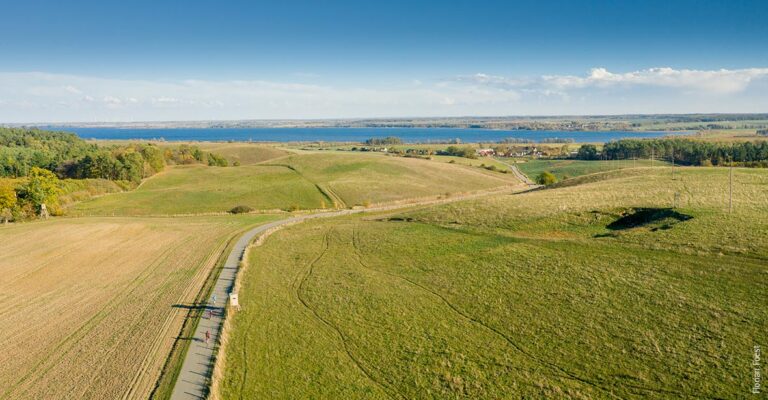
(409, 135)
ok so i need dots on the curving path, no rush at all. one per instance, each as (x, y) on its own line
(193, 380)
(518, 174)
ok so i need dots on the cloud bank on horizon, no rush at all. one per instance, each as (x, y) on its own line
(50, 97)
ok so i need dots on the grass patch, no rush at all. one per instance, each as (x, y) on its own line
(297, 182)
(201, 189)
(564, 169)
(514, 296)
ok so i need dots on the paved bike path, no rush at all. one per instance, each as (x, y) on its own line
(193, 379)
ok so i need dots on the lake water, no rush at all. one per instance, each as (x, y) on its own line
(409, 135)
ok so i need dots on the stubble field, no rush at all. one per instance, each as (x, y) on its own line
(91, 307)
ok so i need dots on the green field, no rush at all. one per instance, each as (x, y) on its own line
(564, 169)
(357, 179)
(595, 289)
(202, 189)
(299, 181)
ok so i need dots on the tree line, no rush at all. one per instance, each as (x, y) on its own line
(35, 161)
(69, 156)
(681, 151)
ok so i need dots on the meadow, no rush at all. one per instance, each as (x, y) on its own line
(91, 307)
(202, 189)
(564, 169)
(298, 181)
(595, 288)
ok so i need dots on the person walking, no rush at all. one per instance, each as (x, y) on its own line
(207, 336)
(214, 300)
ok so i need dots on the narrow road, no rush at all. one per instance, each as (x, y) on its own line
(519, 175)
(193, 380)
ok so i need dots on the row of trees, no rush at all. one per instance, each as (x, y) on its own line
(466, 152)
(682, 151)
(387, 141)
(68, 156)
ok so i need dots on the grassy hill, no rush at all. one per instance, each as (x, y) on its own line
(563, 169)
(595, 289)
(357, 179)
(202, 189)
(299, 181)
(244, 153)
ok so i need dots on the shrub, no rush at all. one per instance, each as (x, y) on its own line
(241, 210)
(587, 152)
(546, 178)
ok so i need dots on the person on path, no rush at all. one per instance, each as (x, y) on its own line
(214, 299)
(207, 336)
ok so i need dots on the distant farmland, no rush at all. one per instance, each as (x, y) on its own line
(595, 289)
(91, 307)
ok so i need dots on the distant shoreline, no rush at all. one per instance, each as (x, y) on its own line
(359, 135)
(576, 123)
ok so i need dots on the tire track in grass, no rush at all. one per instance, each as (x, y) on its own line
(355, 243)
(567, 374)
(326, 192)
(299, 287)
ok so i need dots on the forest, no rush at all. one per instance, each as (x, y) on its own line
(681, 151)
(68, 156)
(33, 163)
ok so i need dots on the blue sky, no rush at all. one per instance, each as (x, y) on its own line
(158, 60)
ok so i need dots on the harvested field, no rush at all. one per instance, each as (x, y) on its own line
(90, 308)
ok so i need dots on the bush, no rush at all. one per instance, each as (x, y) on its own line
(546, 178)
(215, 160)
(241, 210)
(587, 152)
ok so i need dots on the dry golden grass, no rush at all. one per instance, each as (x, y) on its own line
(87, 305)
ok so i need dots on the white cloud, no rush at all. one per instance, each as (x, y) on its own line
(714, 81)
(164, 100)
(722, 81)
(112, 100)
(72, 89)
(44, 97)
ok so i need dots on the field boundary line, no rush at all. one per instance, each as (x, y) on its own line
(216, 257)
